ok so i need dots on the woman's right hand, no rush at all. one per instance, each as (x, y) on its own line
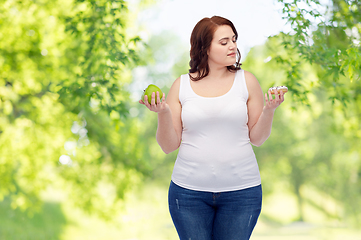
(169, 130)
(160, 107)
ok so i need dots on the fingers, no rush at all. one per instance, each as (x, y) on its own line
(279, 96)
(274, 102)
(158, 97)
(143, 101)
(152, 101)
(282, 96)
(146, 102)
(266, 98)
(270, 98)
(155, 104)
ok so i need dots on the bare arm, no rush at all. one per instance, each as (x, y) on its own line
(260, 116)
(169, 129)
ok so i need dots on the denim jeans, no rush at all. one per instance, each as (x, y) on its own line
(199, 215)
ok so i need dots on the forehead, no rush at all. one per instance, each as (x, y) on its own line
(223, 31)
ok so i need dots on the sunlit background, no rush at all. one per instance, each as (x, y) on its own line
(78, 155)
(255, 21)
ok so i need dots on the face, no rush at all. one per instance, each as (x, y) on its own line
(223, 49)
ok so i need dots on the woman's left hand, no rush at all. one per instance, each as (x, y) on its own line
(273, 103)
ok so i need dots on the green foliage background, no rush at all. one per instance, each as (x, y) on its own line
(65, 67)
(71, 130)
(327, 38)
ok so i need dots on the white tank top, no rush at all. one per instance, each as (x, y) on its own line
(215, 154)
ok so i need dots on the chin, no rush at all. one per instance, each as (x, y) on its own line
(232, 64)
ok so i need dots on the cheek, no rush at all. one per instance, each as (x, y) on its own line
(217, 52)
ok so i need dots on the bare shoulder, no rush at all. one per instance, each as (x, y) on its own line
(176, 83)
(252, 83)
(250, 78)
(174, 90)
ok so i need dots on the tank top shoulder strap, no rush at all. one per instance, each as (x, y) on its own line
(184, 88)
(241, 85)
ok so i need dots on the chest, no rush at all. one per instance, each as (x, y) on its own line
(212, 88)
(207, 114)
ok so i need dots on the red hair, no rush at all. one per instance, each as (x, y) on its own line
(201, 38)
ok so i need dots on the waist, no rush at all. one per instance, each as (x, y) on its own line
(215, 150)
(220, 175)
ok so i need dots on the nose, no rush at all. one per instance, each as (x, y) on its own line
(232, 45)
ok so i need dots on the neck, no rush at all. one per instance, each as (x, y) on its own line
(218, 72)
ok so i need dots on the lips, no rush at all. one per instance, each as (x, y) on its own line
(232, 54)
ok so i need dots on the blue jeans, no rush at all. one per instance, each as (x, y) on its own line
(199, 215)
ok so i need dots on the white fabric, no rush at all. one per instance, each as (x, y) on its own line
(215, 153)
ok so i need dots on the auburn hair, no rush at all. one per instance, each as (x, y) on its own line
(201, 38)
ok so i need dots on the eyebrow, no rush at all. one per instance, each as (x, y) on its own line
(227, 38)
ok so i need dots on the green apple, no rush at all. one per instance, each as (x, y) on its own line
(149, 90)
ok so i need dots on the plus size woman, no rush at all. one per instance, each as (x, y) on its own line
(214, 114)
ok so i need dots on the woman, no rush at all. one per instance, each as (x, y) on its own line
(213, 115)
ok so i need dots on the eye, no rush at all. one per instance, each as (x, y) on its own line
(224, 43)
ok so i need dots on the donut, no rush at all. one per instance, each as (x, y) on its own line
(284, 89)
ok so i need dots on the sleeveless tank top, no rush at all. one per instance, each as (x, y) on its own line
(215, 154)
